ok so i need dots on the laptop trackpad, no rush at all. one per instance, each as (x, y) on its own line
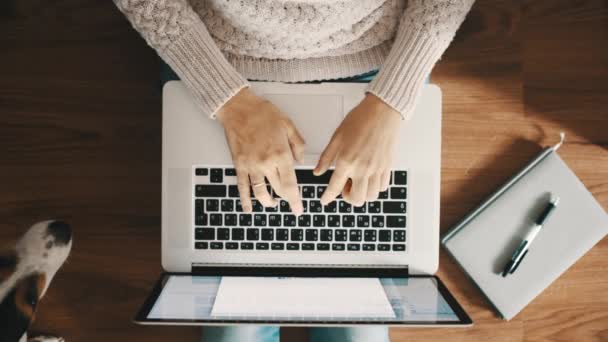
(301, 297)
(316, 116)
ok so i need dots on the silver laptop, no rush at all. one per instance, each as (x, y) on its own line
(335, 264)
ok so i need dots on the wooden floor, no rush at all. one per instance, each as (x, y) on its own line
(80, 123)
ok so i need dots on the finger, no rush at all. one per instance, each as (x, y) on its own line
(386, 180)
(336, 184)
(296, 142)
(275, 181)
(242, 179)
(258, 184)
(289, 188)
(373, 187)
(327, 157)
(358, 192)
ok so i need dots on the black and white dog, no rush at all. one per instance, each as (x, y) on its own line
(25, 274)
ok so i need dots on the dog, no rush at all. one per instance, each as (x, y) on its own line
(26, 272)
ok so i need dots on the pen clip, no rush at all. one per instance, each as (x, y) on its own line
(562, 139)
(519, 262)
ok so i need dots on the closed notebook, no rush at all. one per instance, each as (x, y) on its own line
(483, 242)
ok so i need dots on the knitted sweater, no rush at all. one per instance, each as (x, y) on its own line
(216, 45)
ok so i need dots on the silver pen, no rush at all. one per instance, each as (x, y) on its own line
(524, 246)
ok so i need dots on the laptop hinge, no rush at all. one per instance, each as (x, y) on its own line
(299, 270)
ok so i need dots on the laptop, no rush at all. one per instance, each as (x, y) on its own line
(333, 265)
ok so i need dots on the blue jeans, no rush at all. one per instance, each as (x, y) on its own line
(252, 333)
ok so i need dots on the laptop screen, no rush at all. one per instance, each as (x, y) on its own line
(181, 298)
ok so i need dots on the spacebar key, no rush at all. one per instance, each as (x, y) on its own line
(307, 177)
(211, 191)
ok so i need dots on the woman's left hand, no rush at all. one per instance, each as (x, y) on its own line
(362, 147)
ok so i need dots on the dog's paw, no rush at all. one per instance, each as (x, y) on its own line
(46, 339)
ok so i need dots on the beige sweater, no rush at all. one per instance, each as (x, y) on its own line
(216, 45)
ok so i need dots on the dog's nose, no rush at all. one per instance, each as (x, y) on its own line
(61, 231)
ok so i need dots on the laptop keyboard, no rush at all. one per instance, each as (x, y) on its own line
(221, 224)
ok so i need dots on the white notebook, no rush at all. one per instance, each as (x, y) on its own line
(484, 240)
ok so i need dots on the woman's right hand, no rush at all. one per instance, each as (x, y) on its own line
(264, 144)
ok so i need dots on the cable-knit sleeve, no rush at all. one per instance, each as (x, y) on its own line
(425, 31)
(181, 39)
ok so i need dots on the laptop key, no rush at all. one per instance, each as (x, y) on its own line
(395, 221)
(245, 220)
(201, 245)
(201, 220)
(345, 207)
(246, 245)
(384, 247)
(354, 235)
(261, 246)
(393, 207)
(362, 221)
(369, 235)
(315, 206)
(341, 235)
(384, 235)
(307, 177)
(233, 191)
(268, 234)
(304, 220)
(282, 234)
(253, 234)
(374, 207)
(217, 245)
(348, 220)
(289, 220)
(274, 220)
(337, 246)
(293, 246)
(297, 234)
(320, 190)
(215, 219)
(201, 171)
(399, 247)
(277, 246)
(230, 220)
(400, 177)
(256, 206)
(353, 247)
(238, 234)
(312, 235)
(212, 205)
(230, 172)
(378, 221)
(216, 176)
(223, 234)
(211, 190)
(326, 235)
(199, 206)
(369, 247)
(398, 192)
(322, 246)
(399, 235)
(204, 234)
(227, 205)
(308, 246)
(318, 221)
(333, 221)
(284, 206)
(232, 245)
(383, 195)
(259, 220)
(331, 207)
(360, 210)
(238, 206)
(308, 192)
